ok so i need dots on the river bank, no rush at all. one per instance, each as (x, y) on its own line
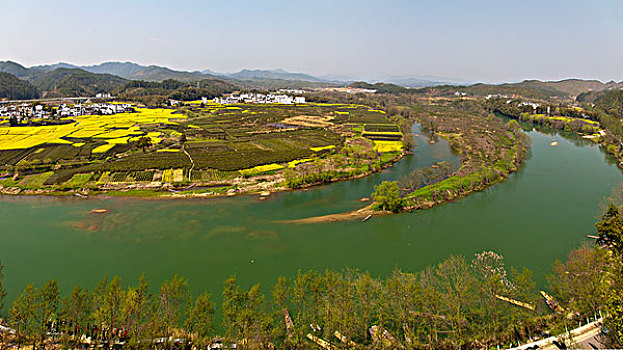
(603, 137)
(262, 185)
(489, 152)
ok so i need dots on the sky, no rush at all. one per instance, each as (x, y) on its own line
(484, 41)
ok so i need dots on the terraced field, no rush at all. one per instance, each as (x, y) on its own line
(220, 142)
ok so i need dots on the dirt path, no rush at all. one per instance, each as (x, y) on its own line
(190, 172)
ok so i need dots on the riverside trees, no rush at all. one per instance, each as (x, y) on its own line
(454, 304)
(610, 231)
(386, 195)
(447, 305)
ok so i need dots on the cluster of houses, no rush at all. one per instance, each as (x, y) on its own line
(103, 95)
(25, 112)
(259, 98)
(534, 105)
(490, 96)
(291, 91)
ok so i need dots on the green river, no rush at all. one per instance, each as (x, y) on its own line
(537, 216)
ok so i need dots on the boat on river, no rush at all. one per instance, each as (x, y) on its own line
(552, 303)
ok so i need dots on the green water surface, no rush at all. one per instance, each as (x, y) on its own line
(538, 215)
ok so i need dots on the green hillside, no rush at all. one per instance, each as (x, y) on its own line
(76, 82)
(13, 88)
(159, 92)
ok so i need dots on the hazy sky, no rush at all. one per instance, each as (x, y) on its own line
(488, 41)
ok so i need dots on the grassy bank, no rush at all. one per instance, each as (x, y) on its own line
(489, 152)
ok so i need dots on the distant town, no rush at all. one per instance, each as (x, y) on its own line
(280, 98)
(24, 112)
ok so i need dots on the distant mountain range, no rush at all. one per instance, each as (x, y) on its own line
(134, 71)
(131, 71)
(65, 79)
(58, 80)
(247, 74)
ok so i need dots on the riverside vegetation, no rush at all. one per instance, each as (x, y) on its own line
(595, 116)
(489, 151)
(599, 121)
(453, 304)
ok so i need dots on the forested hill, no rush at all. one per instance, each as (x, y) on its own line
(16, 69)
(13, 88)
(279, 74)
(130, 71)
(160, 92)
(564, 89)
(382, 88)
(611, 102)
(76, 82)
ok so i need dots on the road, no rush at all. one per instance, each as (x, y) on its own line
(582, 338)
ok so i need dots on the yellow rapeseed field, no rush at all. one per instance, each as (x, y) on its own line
(318, 149)
(119, 127)
(103, 148)
(388, 146)
(260, 169)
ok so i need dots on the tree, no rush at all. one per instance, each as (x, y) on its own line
(523, 289)
(75, 311)
(172, 301)
(387, 196)
(581, 280)
(23, 314)
(610, 229)
(107, 300)
(49, 296)
(614, 308)
(456, 282)
(489, 267)
(2, 290)
(135, 311)
(431, 304)
(338, 307)
(306, 292)
(401, 305)
(368, 292)
(199, 322)
(2, 296)
(243, 314)
(143, 142)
